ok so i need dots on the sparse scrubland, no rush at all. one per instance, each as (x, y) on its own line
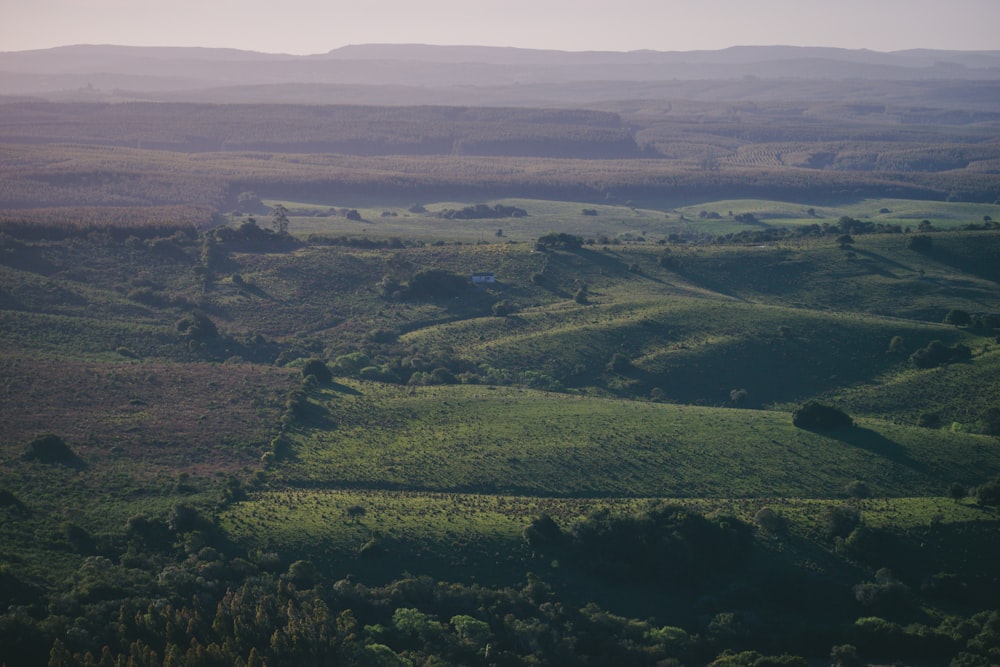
(733, 411)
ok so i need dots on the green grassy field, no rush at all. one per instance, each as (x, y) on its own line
(518, 441)
(903, 212)
(620, 222)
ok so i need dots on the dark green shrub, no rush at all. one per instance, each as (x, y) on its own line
(619, 363)
(436, 284)
(560, 240)
(920, 243)
(442, 375)
(929, 420)
(845, 655)
(858, 489)
(303, 573)
(769, 520)
(318, 369)
(839, 521)
(184, 518)
(543, 530)
(663, 543)
(991, 421)
(989, 493)
(197, 326)
(937, 354)
(816, 415)
(504, 308)
(378, 374)
(957, 317)
(51, 449)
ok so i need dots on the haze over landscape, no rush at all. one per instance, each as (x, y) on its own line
(519, 334)
(313, 26)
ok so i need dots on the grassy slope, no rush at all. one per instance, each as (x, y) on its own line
(710, 323)
(465, 438)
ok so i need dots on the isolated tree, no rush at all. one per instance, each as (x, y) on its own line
(355, 513)
(958, 318)
(816, 415)
(770, 520)
(989, 493)
(318, 369)
(543, 530)
(991, 421)
(957, 491)
(920, 243)
(279, 218)
(839, 521)
(196, 325)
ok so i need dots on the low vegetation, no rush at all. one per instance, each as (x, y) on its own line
(286, 426)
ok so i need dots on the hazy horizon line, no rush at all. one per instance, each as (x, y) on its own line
(486, 46)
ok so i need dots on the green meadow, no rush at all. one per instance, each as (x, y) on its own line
(621, 221)
(521, 441)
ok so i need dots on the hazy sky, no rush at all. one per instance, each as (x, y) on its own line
(316, 26)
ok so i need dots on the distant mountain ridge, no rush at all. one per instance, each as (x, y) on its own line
(117, 73)
(734, 55)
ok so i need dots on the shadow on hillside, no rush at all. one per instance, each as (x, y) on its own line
(876, 443)
(880, 262)
(985, 268)
(251, 289)
(342, 388)
(316, 416)
(606, 261)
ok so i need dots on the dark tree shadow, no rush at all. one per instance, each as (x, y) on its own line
(342, 388)
(876, 443)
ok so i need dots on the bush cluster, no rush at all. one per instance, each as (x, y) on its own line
(816, 415)
(938, 354)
